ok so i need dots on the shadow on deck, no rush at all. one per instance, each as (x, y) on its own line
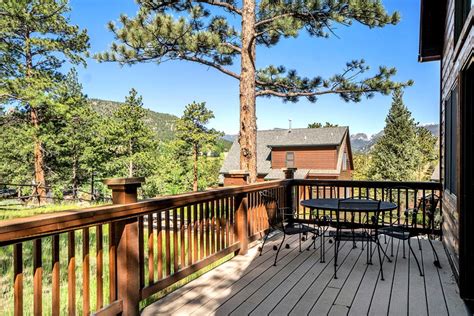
(301, 285)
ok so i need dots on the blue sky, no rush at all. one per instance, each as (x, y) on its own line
(170, 86)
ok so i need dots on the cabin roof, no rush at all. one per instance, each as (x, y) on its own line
(432, 20)
(280, 138)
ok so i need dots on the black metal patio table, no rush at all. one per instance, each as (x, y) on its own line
(356, 206)
(333, 205)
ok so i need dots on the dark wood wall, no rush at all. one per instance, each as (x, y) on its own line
(455, 57)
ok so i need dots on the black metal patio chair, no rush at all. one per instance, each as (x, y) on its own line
(367, 231)
(404, 228)
(283, 219)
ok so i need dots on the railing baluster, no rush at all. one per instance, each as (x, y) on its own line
(100, 266)
(227, 228)
(218, 224)
(175, 240)
(159, 241)
(85, 272)
(181, 237)
(189, 234)
(141, 251)
(195, 233)
(168, 243)
(55, 277)
(213, 227)
(18, 278)
(201, 231)
(37, 278)
(71, 274)
(207, 232)
(151, 253)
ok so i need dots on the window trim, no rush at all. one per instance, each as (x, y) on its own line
(292, 153)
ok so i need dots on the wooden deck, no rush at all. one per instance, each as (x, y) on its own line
(301, 285)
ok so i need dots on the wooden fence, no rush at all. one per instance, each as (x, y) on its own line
(128, 252)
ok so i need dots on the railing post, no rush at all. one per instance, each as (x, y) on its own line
(241, 227)
(124, 190)
(289, 175)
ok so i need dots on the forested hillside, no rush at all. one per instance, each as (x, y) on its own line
(162, 123)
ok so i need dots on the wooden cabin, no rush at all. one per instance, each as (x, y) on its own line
(447, 35)
(316, 153)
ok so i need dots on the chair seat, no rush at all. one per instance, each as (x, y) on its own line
(395, 232)
(349, 235)
(293, 229)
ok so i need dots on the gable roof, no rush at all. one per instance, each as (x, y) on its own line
(309, 137)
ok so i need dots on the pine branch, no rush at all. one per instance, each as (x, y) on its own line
(277, 82)
(210, 64)
(180, 5)
(222, 4)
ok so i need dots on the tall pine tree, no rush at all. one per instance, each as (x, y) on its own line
(195, 31)
(77, 151)
(36, 40)
(130, 140)
(194, 134)
(394, 156)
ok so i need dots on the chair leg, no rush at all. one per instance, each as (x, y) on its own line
(299, 235)
(281, 244)
(264, 241)
(380, 258)
(419, 243)
(416, 259)
(435, 255)
(404, 256)
(391, 246)
(336, 253)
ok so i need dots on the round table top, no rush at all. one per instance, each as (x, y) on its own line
(333, 205)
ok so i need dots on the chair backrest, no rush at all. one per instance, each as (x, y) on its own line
(274, 215)
(359, 206)
(428, 203)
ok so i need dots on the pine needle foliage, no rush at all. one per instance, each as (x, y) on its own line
(395, 154)
(193, 31)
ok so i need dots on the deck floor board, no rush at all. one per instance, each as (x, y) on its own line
(301, 285)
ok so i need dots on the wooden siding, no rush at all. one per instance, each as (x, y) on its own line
(306, 157)
(456, 55)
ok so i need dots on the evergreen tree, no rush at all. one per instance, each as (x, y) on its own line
(319, 125)
(394, 156)
(427, 153)
(131, 142)
(195, 136)
(36, 39)
(77, 149)
(194, 31)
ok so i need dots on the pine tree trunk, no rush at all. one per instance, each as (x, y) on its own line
(75, 183)
(37, 151)
(130, 164)
(248, 119)
(38, 159)
(195, 170)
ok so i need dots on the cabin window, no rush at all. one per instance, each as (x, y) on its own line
(461, 12)
(344, 161)
(290, 159)
(450, 142)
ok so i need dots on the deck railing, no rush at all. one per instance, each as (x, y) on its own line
(106, 260)
(407, 195)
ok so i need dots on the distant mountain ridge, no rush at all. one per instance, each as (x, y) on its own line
(163, 124)
(362, 143)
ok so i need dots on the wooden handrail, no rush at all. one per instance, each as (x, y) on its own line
(371, 184)
(16, 230)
